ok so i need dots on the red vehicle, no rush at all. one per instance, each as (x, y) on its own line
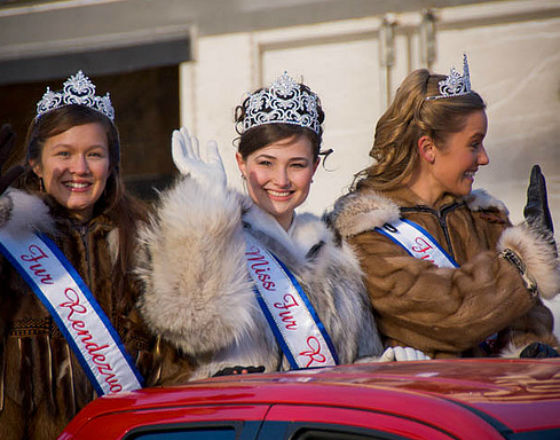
(452, 399)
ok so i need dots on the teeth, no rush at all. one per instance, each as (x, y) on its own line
(76, 184)
(279, 194)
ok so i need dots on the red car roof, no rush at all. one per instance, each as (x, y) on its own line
(511, 395)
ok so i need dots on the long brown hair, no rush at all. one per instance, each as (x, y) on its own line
(124, 210)
(409, 117)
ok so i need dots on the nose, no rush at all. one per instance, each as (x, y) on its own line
(80, 165)
(281, 177)
(482, 158)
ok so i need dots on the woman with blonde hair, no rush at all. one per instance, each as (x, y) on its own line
(446, 271)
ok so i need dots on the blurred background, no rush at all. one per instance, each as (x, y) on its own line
(172, 62)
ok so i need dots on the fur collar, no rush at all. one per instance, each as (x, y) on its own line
(18, 210)
(357, 212)
(306, 231)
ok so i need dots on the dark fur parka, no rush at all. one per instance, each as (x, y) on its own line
(42, 385)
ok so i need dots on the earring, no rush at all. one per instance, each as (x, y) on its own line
(41, 185)
(243, 176)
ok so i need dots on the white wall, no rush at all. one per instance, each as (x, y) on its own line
(513, 48)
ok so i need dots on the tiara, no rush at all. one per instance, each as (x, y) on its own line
(78, 89)
(283, 103)
(455, 84)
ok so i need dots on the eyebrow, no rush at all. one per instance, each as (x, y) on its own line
(267, 156)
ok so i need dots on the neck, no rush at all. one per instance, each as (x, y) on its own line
(424, 187)
(285, 220)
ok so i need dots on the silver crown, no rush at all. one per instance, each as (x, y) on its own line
(455, 84)
(78, 89)
(283, 103)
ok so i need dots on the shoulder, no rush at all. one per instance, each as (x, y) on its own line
(480, 200)
(21, 210)
(361, 211)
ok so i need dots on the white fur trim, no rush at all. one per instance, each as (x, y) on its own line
(511, 351)
(191, 269)
(479, 200)
(538, 255)
(23, 210)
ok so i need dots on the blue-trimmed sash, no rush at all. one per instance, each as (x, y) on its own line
(81, 320)
(420, 244)
(292, 318)
(417, 242)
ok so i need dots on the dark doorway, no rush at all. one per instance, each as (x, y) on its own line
(146, 103)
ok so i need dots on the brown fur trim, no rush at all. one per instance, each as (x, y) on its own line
(537, 253)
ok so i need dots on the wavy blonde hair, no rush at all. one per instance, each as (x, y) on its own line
(409, 117)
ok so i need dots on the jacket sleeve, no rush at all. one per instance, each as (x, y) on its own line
(197, 294)
(442, 309)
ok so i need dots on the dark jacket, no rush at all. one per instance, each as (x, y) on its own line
(42, 385)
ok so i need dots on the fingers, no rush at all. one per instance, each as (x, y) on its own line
(7, 179)
(409, 354)
(388, 355)
(7, 139)
(213, 154)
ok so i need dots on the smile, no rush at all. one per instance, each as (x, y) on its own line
(279, 193)
(77, 185)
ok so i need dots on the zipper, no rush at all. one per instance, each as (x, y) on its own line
(441, 216)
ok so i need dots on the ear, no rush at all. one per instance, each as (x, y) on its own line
(241, 164)
(427, 149)
(315, 165)
(36, 167)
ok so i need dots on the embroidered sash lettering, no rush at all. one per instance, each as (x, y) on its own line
(295, 324)
(417, 242)
(87, 329)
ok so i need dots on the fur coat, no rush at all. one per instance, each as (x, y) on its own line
(42, 385)
(198, 294)
(448, 312)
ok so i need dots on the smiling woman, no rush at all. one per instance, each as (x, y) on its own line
(241, 283)
(446, 272)
(74, 167)
(69, 327)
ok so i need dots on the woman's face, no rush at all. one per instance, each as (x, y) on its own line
(279, 175)
(74, 166)
(457, 160)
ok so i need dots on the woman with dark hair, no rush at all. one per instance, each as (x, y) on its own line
(69, 329)
(241, 283)
(445, 270)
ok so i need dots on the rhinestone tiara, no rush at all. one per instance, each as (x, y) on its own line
(455, 84)
(78, 89)
(282, 103)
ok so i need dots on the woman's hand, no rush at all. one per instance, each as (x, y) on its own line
(536, 210)
(403, 354)
(239, 370)
(7, 142)
(186, 156)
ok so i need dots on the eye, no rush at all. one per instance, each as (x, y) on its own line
(96, 154)
(264, 163)
(299, 165)
(62, 153)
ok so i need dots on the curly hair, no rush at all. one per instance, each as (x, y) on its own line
(409, 117)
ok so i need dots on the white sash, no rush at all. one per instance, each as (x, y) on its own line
(298, 330)
(417, 242)
(81, 320)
